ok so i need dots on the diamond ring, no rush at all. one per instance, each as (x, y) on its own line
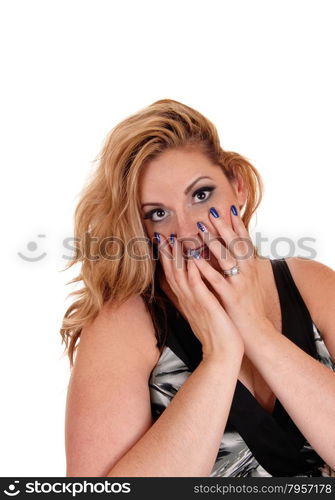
(232, 271)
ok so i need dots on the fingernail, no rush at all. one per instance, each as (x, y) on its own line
(214, 212)
(193, 253)
(233, 209)
(158, 238)
(201, 226)
(172, 237)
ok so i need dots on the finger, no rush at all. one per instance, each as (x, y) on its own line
(178, 258)
(239, 246)
(215, 279)
(246, 243)
(224, 257)
(237, 223)
(165, 257)
(178, 268)
(199, 288)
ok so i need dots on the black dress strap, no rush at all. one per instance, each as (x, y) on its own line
(297, 323)
(274, 439)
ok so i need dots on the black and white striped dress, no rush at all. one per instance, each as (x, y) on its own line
(255, 442)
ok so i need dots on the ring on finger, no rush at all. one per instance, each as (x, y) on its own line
(232, 271)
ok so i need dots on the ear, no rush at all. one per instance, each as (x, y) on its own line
(239, 189)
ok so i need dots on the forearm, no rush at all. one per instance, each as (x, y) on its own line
(304, 386)
(185, 439)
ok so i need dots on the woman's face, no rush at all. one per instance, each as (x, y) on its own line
(178, 188)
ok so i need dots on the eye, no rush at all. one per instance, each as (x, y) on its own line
(149, 215)
(208, 189)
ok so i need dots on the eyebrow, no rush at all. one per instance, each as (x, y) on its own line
(187, 190)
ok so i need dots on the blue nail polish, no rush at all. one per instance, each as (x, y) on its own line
(201, 226)
(193, 254)
(158, 238)
(172, 237)
(214, 212)
(233, 209)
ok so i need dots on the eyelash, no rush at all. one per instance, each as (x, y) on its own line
(149, 214)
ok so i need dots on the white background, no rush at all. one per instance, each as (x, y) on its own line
(262, 71)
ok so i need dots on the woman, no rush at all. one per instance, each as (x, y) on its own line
(197, 356)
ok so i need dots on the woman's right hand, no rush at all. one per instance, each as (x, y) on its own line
(200, 307)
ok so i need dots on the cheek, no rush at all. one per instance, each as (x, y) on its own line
(220, 203)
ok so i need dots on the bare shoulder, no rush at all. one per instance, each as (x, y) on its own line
(312, 278)
(299, 264)
(128, 326)
(316, 284)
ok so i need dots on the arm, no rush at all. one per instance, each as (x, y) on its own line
(185, 439)
(109, 428)
(304, 386)
(316, 284)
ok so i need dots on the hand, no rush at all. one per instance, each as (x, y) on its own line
(241, 294)
(207, 318)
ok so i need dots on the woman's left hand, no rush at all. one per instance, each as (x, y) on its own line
(240, 294)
